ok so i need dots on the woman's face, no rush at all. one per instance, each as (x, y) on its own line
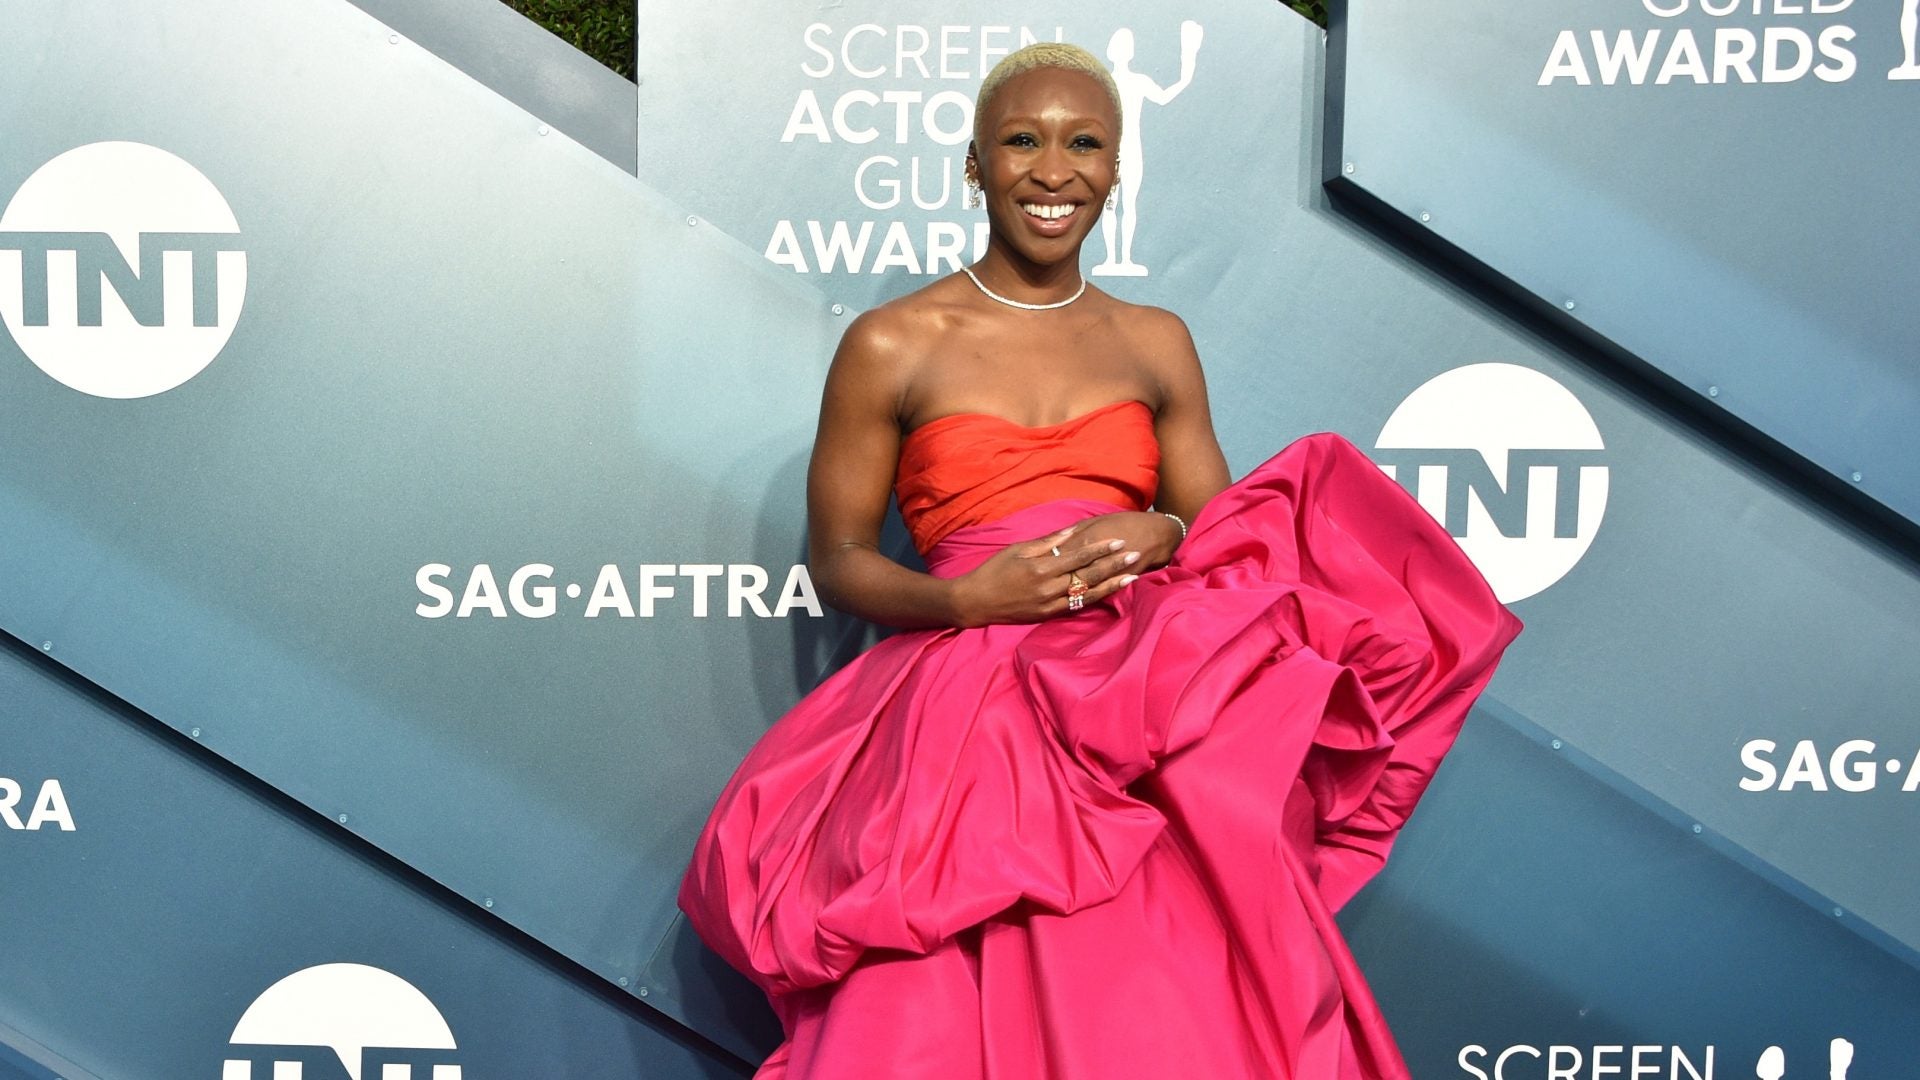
(1046, 161)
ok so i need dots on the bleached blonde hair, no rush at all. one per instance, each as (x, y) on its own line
(1042, 54)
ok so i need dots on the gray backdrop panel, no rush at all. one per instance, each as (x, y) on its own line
(1755, 238)
(464, 342)
(133, 944)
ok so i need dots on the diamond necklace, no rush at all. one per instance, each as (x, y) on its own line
(968, 270)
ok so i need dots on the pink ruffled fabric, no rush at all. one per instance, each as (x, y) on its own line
(1111, 844)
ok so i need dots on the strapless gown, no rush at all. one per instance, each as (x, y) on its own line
(1109, 845)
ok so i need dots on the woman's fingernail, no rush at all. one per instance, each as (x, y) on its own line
(1132, 556)
(1129, 579)
(1116, 545)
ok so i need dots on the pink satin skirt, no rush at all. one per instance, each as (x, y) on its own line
(1111, 844)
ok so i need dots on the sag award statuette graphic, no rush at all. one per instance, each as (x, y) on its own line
(1909, 32)
(1136, 89)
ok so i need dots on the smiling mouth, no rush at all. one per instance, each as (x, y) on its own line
(1050, 213)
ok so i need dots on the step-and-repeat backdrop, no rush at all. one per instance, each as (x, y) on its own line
(383, 472)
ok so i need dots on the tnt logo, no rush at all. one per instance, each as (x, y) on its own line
(121, 272)
(1510, 462)
(341, 1022)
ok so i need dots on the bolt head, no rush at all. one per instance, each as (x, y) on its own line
(1349, 168)
(1425, 216)
(1713, 391)
(1557, 744)
(691, 220)
(1856, 477)
(839, 310)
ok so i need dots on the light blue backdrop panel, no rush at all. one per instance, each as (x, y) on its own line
(1714, 607)
(464, 342)
(1529, 904)
(133, 945)
(1754, 241)
(525, 63)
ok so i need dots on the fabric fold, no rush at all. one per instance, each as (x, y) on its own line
(1021, 823)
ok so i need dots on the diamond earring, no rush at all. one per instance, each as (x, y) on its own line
(973, 194)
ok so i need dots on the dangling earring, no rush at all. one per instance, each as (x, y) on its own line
(1112, 192)
(973, 194)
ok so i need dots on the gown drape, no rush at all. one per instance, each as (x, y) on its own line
(1109, 844)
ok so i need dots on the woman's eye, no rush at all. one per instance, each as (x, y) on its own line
(1022, 139)
(1086, 142)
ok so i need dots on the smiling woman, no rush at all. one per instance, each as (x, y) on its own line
(1091, 814)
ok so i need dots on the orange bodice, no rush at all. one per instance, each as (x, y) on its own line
(969, 468)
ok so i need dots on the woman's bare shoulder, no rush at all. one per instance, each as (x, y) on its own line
(885, 345)
(1158, 337)
(908, 322)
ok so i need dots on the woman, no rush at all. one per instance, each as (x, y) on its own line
(1090, 818)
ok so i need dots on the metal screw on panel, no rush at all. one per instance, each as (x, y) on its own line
(642, 991)
(1837, 913)
(1698, 829)
(194, 732)
(1856, 477)
(342, 819)
(1713, 391)
(1557, 744)
(1569, 305)
(623, 980)
(393, 39)
(543, 129)
(46, 646)
(691, 220)
(486, 902)
(1424, 216)
(1349, 169)
(839, 310)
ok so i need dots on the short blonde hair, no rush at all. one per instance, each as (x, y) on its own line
(1045, 54)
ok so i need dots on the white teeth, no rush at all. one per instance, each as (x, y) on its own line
(1047, 212)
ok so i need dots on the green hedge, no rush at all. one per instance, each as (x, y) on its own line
(603, 29)
(1312, 9)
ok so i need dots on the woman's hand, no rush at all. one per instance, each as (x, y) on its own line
(1026, 582)
(1153, 535)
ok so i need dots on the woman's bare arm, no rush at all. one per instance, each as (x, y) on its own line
(855, 451)
(1192, 468)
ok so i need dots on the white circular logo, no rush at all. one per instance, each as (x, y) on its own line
(121, 272)
(369, 1019)
(1510, 462)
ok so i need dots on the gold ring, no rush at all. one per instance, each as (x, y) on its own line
(1074, 585)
